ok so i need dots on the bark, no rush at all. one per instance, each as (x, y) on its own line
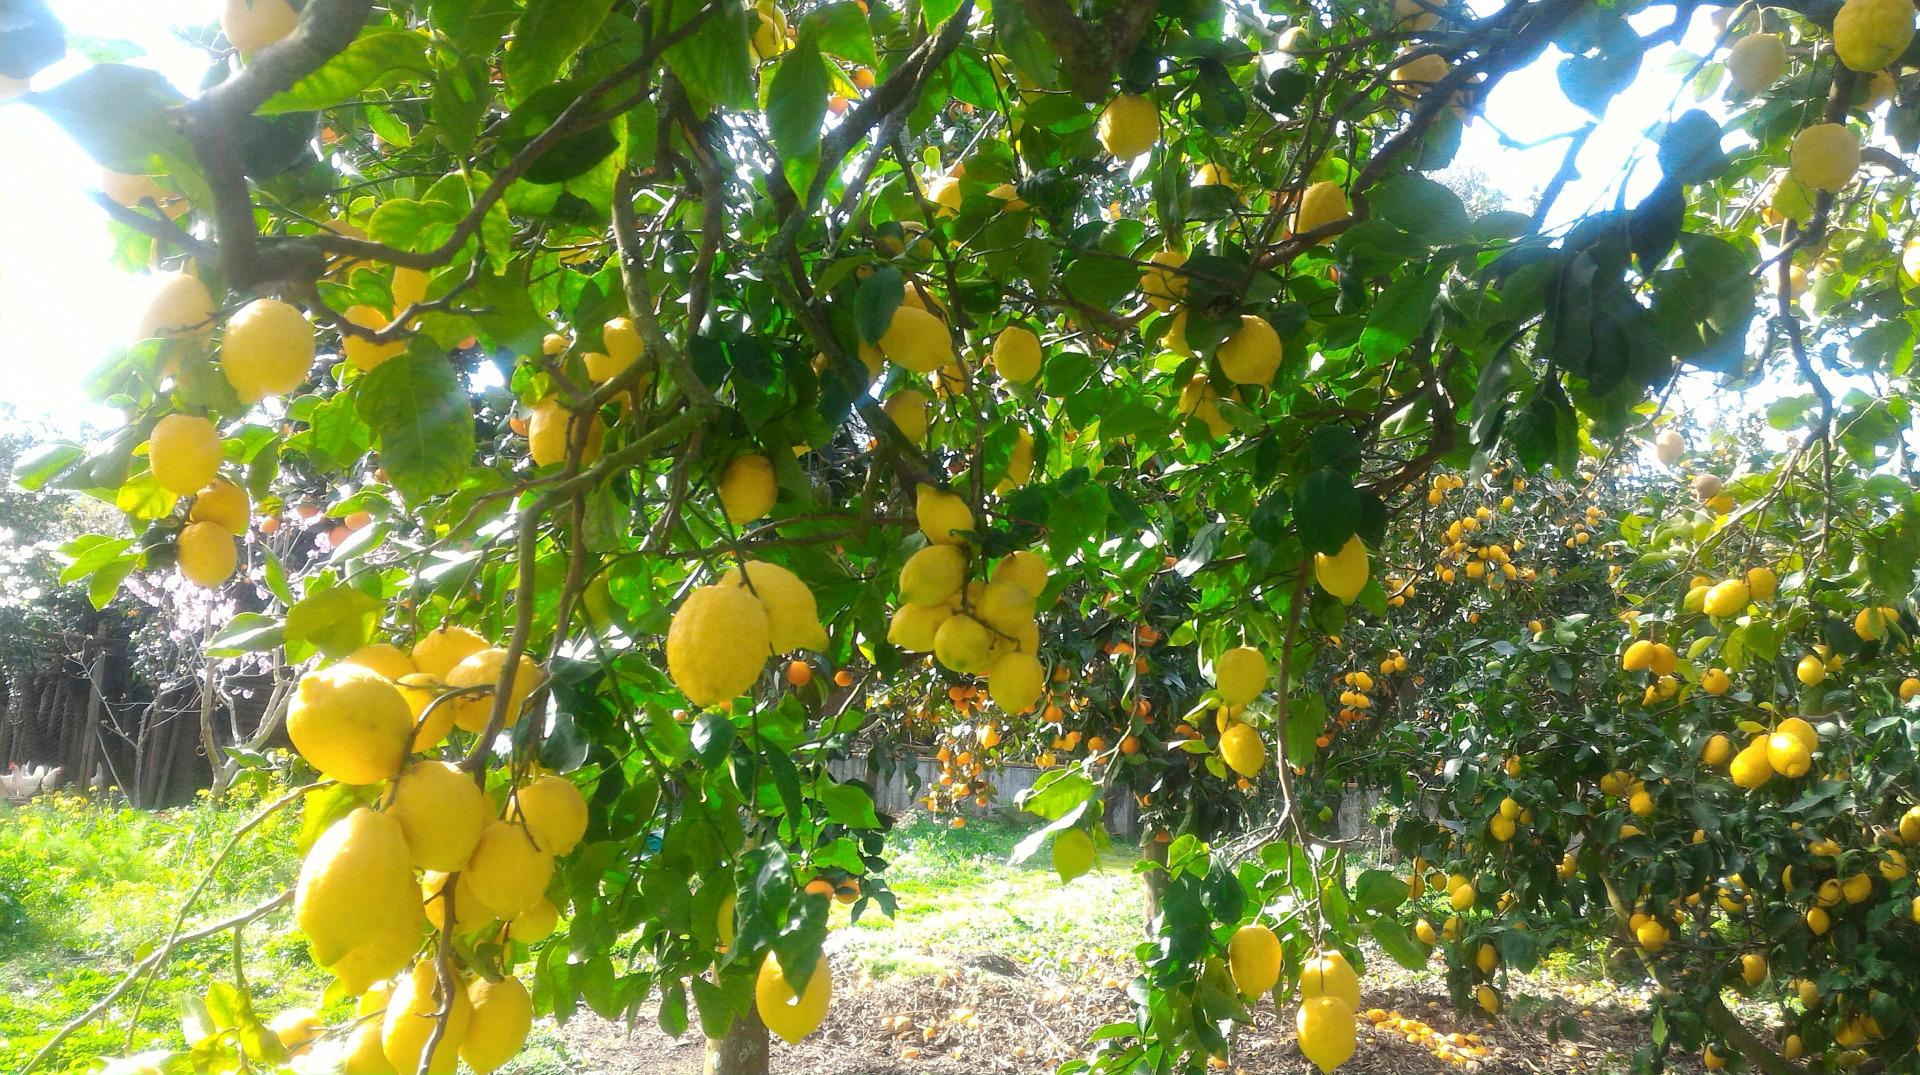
(744, 1051)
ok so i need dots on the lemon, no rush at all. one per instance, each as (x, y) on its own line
(252, 25)
(469, 913)
(769, 32)
(1321, 204)
(1462, 897)
(508, 870)
(1638, 657)
(502, 1015)
(1016, 682)
(1487, 958)
(364, 354)
(549, 424)
(1501, 829)
(267, 349)
(1129, 126)
(1073, 854)
(535, 924)
(1418, 75)
(1718, 749)
(1909, 689)
(792, 1016)
(1669, 446)
(623, 346)
(1019, 463)
(383, 658)
(717, 644)
(392, 945)
(207, 554)
(943, 517)
(350, 723)
(1870, 34)
(179, 307)
(1751, 767)
(1818, 921)
(471, 712)
(1198, 399)
(1857, 889)
(1715, 681)
(1252, 353)
(1242, 750)
(1253, 957)
(963, 644)
(1652, 935)
(747, 488)
(1640, 803)
(412, 1014)
(914, 628)
(1003, 606)
(1725, 599)
(1825, 156)
(1325, 1027)
(793, 617)
(224, 504)
(1161, 287)
(1801, 730)
(1328, 974)
(907, 409)
(1811, 671)
(917, 339)
(944, 192)
(184, 452)
(1788, 755)
(354, 882)
(439, 650)
(1344, 574)
(1016, 354)
(1488, 1000)
(1176, 334)
(1756, 62)
(364, 1055)
(1423, 930)
(1240, 675)
(555, 812)
(441, 810)
(1871, 624)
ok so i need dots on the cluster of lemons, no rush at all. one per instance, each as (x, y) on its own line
(1329, 1003)
(431, 852)
(1455, 1048)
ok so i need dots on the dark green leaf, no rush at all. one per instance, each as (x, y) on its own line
(797, 100)
(1326, 510)
(421, 421)
(879, 296)
(547, 36)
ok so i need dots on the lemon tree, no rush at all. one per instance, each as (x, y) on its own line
(599, 417)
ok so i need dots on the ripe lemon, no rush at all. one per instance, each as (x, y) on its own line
(963, 644)
(1243, 751)
(1909, 689)
(1462, 896)
(917, 339)
(1825, 156)
(1415, 77)
(793, 617)
(224, 504)
(179, 307)
(1716, 681)
(1253, 958)
(266, 350)
(791, 1016)
(430, 728)
(1718, 749)
(914, 627)
(1240, 674)
(351, 724)
(1019, 463)
(1871, 624)
(623, 347)
(555, 812)
(469, 914)
(1252, 353)
(1857, 889)
(207, 554)
(1161, 287)
(364, 354)
(1664, 660)
(439, 650)
(441, 811)
(1637, 658)
(508, 870)
(1016, 354)
(1325, 1026)
(502, 1015)
(1073, 854)
(252, 25)
(184, 452)
(1801, 730)
(1652, 935)
(747, 488)
(1762, 583)
(1487, 958)
(1003, 606)
(382, 658)
(717, 644)
(1501, 829)
(1328, 974)
(1344, 574)
(943, 517)
(1488, 1000)
(1423, 930)
(1756, 62)
(1198, 399)
(1751, 767)
(1811, 670)
(907, 409)
(364, 1053)
(472, 711)
(1129, 126)
(1818, 922)
(1016, 682)
(549, 424)
(1321, 204)
(536, 923)
(412, 1013)
(1728, 598)
(1870, 34)
(354, 883)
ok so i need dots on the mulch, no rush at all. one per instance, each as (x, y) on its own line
(989, 1014)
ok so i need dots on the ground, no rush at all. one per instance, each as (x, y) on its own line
(989, 968)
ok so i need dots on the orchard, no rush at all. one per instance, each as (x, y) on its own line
(594, 418)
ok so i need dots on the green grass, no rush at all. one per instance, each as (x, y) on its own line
(85, 889)
(958, 895)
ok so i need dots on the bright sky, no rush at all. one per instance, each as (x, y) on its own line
(64, 307)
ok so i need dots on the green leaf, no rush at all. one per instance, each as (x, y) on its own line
(379, 60)
(1402, 314)
(1326, 510)
(248, 632)
(118, 115)
(1397, 942)
(421, 421)
(713, 62)
(1056, 792)
(37, 467)
(548, 34)
(938, 11)
(797, 100)
(89, 553)
(841, 30)
(1378, 890)
(848, 804)
(1423, 209)
(460, 95)
(336, 621)
(475, 27)
(873, 305)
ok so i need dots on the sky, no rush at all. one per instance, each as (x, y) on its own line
(64, 307)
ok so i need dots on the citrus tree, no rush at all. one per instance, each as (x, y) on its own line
(527, 377)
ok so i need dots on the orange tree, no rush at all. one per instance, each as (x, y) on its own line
(594, 355)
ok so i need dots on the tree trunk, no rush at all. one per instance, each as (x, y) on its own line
(1156, 880)
(744, 1051)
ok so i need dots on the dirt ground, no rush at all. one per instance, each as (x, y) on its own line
(991, 1015)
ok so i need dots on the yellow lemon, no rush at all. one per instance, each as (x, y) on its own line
(1240, 675)
(364, 354)
(267, 349)
(1326, 1034)
(252, 25)
(350, 723)
(748, 489)
(1243, 751)
(355, 882)
(917, 339)
(1756, 62)
(1129, 126)
(943, 517)
(1016, 354)
(184, 452)
(717, 644)
(441, 811)
(1870, 34)
(1016, 682)
(1321, 204)
(549, 424)
(207, 554)
(793, 616)
(502, 1015)
(1825, 156)
(439, 650)
(508, 870)
(471, 712)
(1253, 958)
(1344, 574)
(413, 1013)
(792, 1016)
(1252, 353)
